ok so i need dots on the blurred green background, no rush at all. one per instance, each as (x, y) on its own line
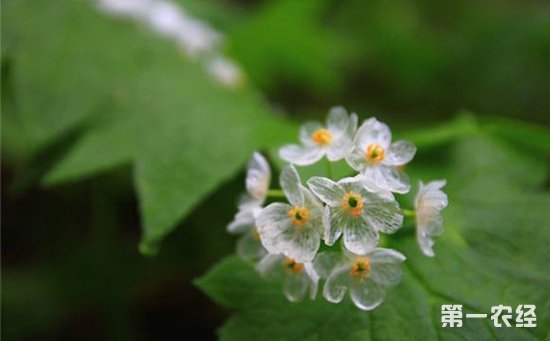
(111, 138)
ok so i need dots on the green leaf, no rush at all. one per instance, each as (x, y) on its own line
(139, 101)
(494, 251)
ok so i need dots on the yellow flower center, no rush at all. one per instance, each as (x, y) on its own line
(298, 215)
(374, 153)
(352, 203)
(293, 266)
(361, 268)
(322, 137)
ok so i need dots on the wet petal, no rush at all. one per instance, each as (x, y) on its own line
(313, 279)
(310, 200)
(367, 294)
(249, 247)
(373, 131)
(338, 220)
(431, 195)
(290, 183)
(271, 266)
(244, 220)
(387, 178)
(425, 242)
(400, 153)
(352, 126)
(359, 237)
(336, 284)
(327, 190)
(429, 202)
(384, 216)
(339, 149)
(300, 244)
(301, 156)
(258, 177)
(326, 262)
(338, 121)
(295, 286)
(271, 224)
(356, 159)
(386, 256)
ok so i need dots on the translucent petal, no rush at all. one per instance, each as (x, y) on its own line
(400, 153)
(243, 221)
(425, 242)
(385, 266)
(366, 294)
(326, 262)
(429, 202)
(310, 200)
(290, 183)
(336, 284)
(431, 195)
(338, 220)
(249, 247)
(271, 266)
(373, 131)
(352, 126)
(339, 149)
(271, 224)
(313, 279)
(359, 237)
(356, 158)
(429, 223)
(295, 286)
(384, 216)
(386, 256)
(307, 130)
(258, 177)
(327, 190)
(301, 156)
(387, 178)
(301, 243)
(338, 121)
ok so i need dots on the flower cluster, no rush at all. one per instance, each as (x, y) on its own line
(286, 237)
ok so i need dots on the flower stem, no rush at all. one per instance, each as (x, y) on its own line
(408, 213)
(329, 168)
(276, 193)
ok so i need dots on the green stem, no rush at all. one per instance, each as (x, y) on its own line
(329, 168)
(276, 193)
(408, 213)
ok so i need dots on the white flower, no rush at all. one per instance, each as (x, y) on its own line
(377, 158)
(258, 178)
(194, 36)
(366, 277)
(428, 203)
(297, 277)
(225, 71)
(333, 139)
(294, 230)
(356, 212)
(131, 8)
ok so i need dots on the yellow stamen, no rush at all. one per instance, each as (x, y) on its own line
(352, 203)
(322, 137)
(361, 268)
(298, 215)
(293, 266)
(375, 153)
